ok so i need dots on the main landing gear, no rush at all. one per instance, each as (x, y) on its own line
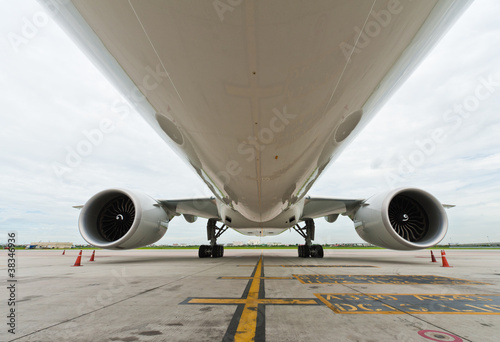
(213, 233)
(307, 232)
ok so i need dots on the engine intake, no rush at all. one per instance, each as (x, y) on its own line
(121, 219)
(403, 219)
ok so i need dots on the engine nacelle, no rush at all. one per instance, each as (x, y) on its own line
(403, 219)
(121, 219)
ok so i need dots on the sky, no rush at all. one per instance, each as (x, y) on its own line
(439, 132)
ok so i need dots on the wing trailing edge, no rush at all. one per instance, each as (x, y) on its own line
(196, 207)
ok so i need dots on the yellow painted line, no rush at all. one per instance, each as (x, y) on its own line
(265, 278)
(297, 276)
(413, 313)
(288, 301)
(471, 282)
(343, 308)
(265, 301)
(217, 301)
(248, 320)
(458, 296)
(254, 265)
(379, 280)
(327, 303)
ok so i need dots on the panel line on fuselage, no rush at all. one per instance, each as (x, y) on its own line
(350, 55)
(154, 49)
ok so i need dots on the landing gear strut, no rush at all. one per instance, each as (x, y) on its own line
(308, 249)
(213, 233)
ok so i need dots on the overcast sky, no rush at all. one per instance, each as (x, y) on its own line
(51, 95)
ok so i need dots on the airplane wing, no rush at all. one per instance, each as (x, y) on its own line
(329, 208)
(192, 208)
(207, 207)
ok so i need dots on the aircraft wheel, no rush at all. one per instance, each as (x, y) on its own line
(307, 251)
(321, 253)
(218, 251)
(303, 251)
(204, 251)
(317, 251)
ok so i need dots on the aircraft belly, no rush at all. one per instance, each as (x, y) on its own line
(261, 98)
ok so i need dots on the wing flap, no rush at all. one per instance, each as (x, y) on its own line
(199, 207)
(320, 207)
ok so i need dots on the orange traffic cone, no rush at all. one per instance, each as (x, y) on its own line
(92, 257)
(78, 260)
(64, 252)
(433, 259)
(445, 262)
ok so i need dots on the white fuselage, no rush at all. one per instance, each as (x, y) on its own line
(260, 96)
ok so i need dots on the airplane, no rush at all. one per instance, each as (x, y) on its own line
(258, 97)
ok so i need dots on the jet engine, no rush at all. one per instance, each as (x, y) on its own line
(121, 219)
(402, 219)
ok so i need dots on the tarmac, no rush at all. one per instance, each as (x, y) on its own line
(252, 295)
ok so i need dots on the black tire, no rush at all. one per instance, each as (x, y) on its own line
(217, 251)
(307, 251)
(314, 251)
(317, 251)
(303, 251)
(203, 251)
(321, 253)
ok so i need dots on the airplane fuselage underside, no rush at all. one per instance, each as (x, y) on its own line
(261, 98)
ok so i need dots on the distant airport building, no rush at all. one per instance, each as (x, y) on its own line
(274, 243)
(476, 245)
(51, 245)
